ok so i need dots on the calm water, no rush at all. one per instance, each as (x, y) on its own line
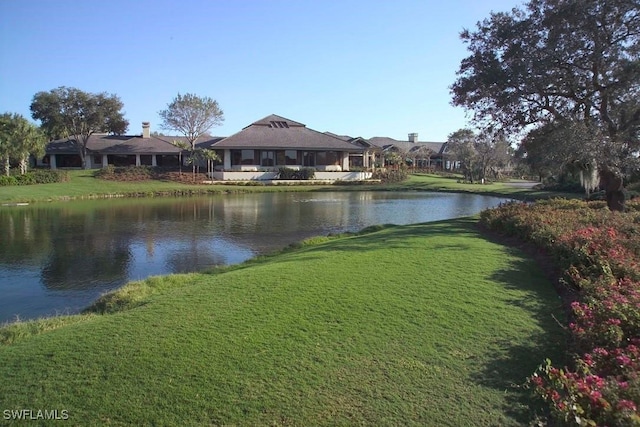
(59, 257)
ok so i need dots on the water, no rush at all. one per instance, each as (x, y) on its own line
(57, 258)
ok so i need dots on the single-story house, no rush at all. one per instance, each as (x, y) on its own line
(256, 152)
(421, 154)
(264, 146)
(118, 150)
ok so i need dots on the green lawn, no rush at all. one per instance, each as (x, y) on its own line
(84, 185)
(427, 324)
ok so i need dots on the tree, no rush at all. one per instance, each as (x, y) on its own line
(493, 153)
(460, 147)
(182, 146)
(421, 153)
(71, 113)
(28, 140)
(559, 61)
(7, 149)
(191, 116)
(210, 156)
(18, 140)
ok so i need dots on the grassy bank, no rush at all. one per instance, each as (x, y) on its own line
(427, 324)
(83, 185)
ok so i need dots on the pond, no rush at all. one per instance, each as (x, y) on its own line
(57, 258)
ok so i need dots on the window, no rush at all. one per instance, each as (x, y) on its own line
(242, 157)
(287, 157)
(146, 159)
(308, 158)
(267, 158)
(291, 157)
(97, 159)
(278, 124)
(327, 158)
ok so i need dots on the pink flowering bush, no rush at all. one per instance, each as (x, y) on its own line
(598, 252)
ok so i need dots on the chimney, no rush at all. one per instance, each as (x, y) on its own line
(413, 137)
(146, 130)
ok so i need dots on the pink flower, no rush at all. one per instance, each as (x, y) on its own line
(626, 404)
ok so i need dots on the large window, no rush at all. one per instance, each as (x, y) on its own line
(327, 158)
(287, 157)
(242, 157)
(308, 158)
(267, 158)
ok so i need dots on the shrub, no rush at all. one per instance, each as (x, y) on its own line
(304, 173)
(8, 180)
(48, 176)
(599, 253)
(127, 173)
(390, 175)
(38, 176)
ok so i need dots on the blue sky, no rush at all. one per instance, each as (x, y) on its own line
(352, 67)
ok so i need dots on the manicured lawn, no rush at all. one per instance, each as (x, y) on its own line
(84, 185)
(427, 324)
(430, 182)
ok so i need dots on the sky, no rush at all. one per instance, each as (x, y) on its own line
(351, 67)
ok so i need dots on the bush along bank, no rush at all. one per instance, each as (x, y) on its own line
(598, 252)
(37, 176)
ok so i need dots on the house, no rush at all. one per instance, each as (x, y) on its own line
(255, 152)
(365, 159)
(420, 154)
(118, 150)
(261, 148)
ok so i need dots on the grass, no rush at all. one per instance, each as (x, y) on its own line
(431, 182)
(83, 185)
(426, 324)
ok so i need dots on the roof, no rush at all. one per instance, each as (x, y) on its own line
(357, 141)
(115, 144)
(387, 143)
(277, 132)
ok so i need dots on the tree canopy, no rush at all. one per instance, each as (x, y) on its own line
(18, 140)
(191, 116)
(71, 113)
(567, 62)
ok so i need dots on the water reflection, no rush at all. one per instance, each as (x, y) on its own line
(61, 256)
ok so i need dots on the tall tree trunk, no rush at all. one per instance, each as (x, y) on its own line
(23, 165)
(613, 188)
(7, 166)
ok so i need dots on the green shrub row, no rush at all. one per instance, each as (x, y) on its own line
(38, 176)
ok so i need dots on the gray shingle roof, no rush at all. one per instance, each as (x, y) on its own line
(115, 144)
(276, 132)
(406, 146)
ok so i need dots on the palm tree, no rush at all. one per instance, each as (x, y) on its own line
(18, 139)
(182, 146)
(6, 148)
(210, 156)
(28, 139)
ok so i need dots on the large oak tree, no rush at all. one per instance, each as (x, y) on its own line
(74, 114)
(560, 64)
